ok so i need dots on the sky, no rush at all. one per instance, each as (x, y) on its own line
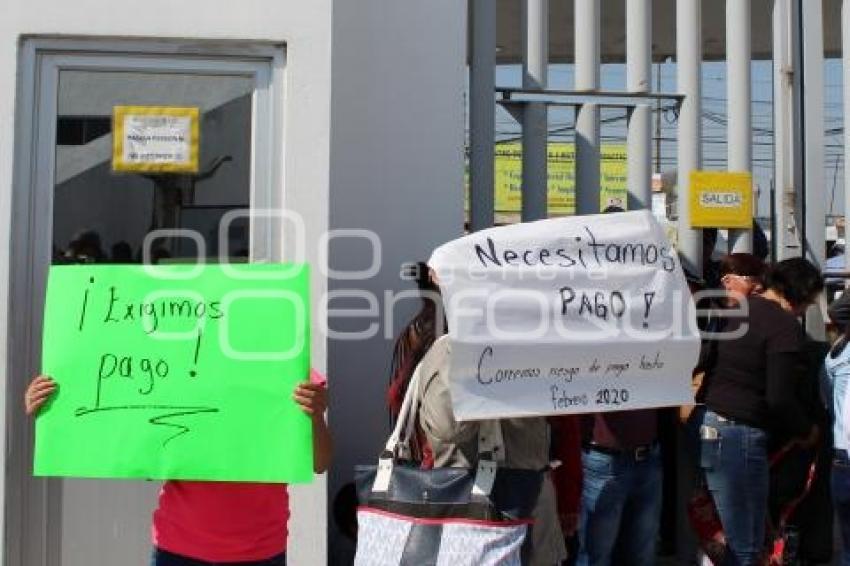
(714, 120)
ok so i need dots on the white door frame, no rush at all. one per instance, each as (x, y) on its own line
(33, 508)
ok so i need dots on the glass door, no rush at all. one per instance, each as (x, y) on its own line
(137, 158)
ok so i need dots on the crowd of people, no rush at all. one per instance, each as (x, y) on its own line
(770, 422)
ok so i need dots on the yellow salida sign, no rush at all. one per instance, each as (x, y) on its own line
(561, 177)
(721, 199)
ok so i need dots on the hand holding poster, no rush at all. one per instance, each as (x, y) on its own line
(567, 315)
(176, 372)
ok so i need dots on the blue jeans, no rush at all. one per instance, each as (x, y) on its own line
(164, 558)
(733, 457)
(621, 509)
(841, 500)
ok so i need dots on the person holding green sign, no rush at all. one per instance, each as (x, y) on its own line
(221, 523)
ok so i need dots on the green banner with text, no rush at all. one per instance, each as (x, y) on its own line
(176, 372)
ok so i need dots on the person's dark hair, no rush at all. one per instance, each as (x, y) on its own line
(420, 273)
(709, 239)
(709, 267)
(122, 252)
(744, 264)
(836, 349)
(345, 510)
(89, 239)
(416, 338)
(761, 247)
(412, 345)
(796, 279)
(85, 247)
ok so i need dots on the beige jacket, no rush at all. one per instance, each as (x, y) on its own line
(455, 444)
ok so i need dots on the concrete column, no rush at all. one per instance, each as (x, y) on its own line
(845, 64)
(783, 89)
(587, 59)
(810, 99)
(534, 120)
(688, 68)
(638, 79)
(809, 171)
(482, 114)
(739, 112)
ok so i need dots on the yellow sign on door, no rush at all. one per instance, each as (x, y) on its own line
(155, 139)
(721, 199)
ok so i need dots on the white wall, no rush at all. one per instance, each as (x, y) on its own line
(305, 28)
(391, 162)
(396, 169)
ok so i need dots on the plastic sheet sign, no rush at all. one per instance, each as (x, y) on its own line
(567, 315)
(721, 200)
(155, 139)
(176, 372)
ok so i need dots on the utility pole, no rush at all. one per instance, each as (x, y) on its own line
(658, 119)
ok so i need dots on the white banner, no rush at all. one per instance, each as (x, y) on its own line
(156, 139)
(567, 315)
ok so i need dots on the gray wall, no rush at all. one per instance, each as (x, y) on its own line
(397, 135)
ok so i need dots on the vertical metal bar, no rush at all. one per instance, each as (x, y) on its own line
(774, 253)
(688, 67)
(783, 89)
(738, 88)
(845, 65)
(534, 118)
(814, 222)
(587, 59)
(482, 116)
(796, 201)
(658, 68)
(639, 161)
(638, 79)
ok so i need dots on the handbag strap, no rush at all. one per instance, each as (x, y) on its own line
(491, 446)
(491, 452)
(406, 415)
(406, 420)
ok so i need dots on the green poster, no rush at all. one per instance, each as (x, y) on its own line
(176, 372)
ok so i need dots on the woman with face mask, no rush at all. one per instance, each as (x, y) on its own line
(741, 275)
(751, 396)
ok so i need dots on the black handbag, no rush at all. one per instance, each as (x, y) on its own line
(444, 516)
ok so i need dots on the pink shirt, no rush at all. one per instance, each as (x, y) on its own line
(223, 521)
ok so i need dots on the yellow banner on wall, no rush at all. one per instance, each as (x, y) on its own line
(561, 174)
(721, 199)
(155, 139)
